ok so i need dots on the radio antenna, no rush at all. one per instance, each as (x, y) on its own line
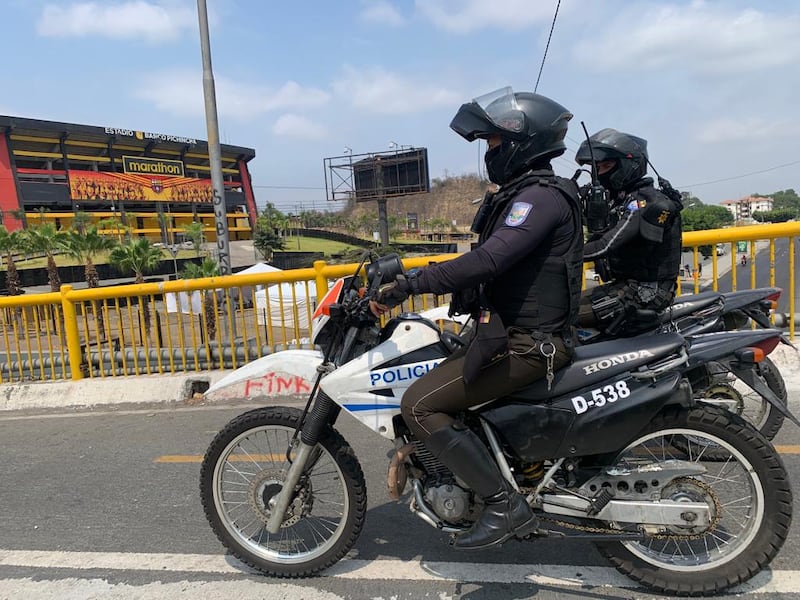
(541, 67)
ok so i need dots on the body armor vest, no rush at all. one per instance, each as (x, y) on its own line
(645, 260)
(542, 291)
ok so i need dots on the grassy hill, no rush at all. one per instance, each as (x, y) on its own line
(449, 199)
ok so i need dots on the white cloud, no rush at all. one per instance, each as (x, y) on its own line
(465, 16)
(699, 37)
(135, 19)
(379, 91)
(382, 12)
(292, 125)
(749, 130)
(181, 93)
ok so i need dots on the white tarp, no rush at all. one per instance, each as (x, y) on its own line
(284, 307)
(184, 302)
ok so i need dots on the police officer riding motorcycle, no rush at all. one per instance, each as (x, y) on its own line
(636, 242)
(522, 286)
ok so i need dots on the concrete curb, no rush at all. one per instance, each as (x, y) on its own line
(106, 392)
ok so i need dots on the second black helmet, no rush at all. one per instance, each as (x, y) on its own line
(628, 151)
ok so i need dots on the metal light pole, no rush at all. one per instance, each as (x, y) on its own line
(214, 152)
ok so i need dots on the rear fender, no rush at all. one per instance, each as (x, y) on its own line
(721, 345)
(744, 298)
(286, 374)
(747, 374)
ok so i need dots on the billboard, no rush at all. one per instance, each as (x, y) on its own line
(395, 174)
(92, 185)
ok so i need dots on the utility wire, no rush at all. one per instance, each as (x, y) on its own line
(789, 164)
(555, 16)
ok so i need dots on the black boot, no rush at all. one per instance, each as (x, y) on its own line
(506, 513)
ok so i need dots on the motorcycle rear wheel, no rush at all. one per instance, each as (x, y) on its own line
(746, 403)
(245, 466)
(751, 496)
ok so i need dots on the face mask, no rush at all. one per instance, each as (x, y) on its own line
(495, 164)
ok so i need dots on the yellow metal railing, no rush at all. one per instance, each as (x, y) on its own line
(166, 327)
(767, 234)
(224, 322)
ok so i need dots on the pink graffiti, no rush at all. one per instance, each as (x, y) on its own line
(273, 383)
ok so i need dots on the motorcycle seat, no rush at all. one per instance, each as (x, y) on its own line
(686, 305)
(598, 362)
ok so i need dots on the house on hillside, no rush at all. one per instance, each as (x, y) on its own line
(743, 208)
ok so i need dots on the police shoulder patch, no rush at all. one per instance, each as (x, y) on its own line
(633, 206)
(518, 213)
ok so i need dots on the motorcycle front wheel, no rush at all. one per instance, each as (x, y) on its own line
(748, 494)
(245, 466)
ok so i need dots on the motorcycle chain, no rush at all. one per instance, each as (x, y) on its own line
(658, 536)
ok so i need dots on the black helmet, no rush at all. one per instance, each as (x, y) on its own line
(532, 128)
(629, 152)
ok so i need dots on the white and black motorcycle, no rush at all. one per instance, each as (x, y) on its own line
(613, 453)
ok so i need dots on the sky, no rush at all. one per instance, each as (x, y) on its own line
(712, 85)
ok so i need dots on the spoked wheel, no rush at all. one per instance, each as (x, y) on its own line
(748, 495)
(244, 468)
(732, 394)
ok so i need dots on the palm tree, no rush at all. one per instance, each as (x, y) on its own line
(84, 247)
(47, 239)
(194, 232)
(138, 256)
(11, 242)
(81, 221)
(208, 268)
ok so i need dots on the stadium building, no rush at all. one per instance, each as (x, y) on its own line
(50, 170)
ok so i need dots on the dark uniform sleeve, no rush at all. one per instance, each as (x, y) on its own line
(657, 216)
(528, 219)
(626, 229)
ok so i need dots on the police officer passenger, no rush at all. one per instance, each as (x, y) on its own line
(525, 273)
(638, 251)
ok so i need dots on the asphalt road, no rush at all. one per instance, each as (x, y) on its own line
(90, 511)
(743, 273)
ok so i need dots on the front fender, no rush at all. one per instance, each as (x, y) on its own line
(286, 374)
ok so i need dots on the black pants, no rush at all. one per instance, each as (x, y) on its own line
(430, 402)
(626, 293)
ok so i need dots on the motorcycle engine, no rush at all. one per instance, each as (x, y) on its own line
(449, 502)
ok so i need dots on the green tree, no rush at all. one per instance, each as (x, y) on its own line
(138, 256)
(194, 232)
(265, 239)
(786, 200)
(207, 268)
(84, 247)
(780, 215)
(47, 240)
(81, 221)
(11, 242)
(115, 226)
(705, 216)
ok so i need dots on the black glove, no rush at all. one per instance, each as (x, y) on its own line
(393, 293)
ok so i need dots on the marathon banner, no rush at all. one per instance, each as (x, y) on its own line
(91, 185)
(152, 166)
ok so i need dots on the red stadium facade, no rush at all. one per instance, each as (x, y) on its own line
(154, 183)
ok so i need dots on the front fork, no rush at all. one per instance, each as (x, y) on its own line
(322, 415)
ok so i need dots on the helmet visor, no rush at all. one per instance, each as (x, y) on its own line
(495, 113)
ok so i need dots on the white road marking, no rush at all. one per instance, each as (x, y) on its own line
(390, 569)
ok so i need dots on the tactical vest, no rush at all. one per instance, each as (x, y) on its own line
(643, 260)
(542, 291)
